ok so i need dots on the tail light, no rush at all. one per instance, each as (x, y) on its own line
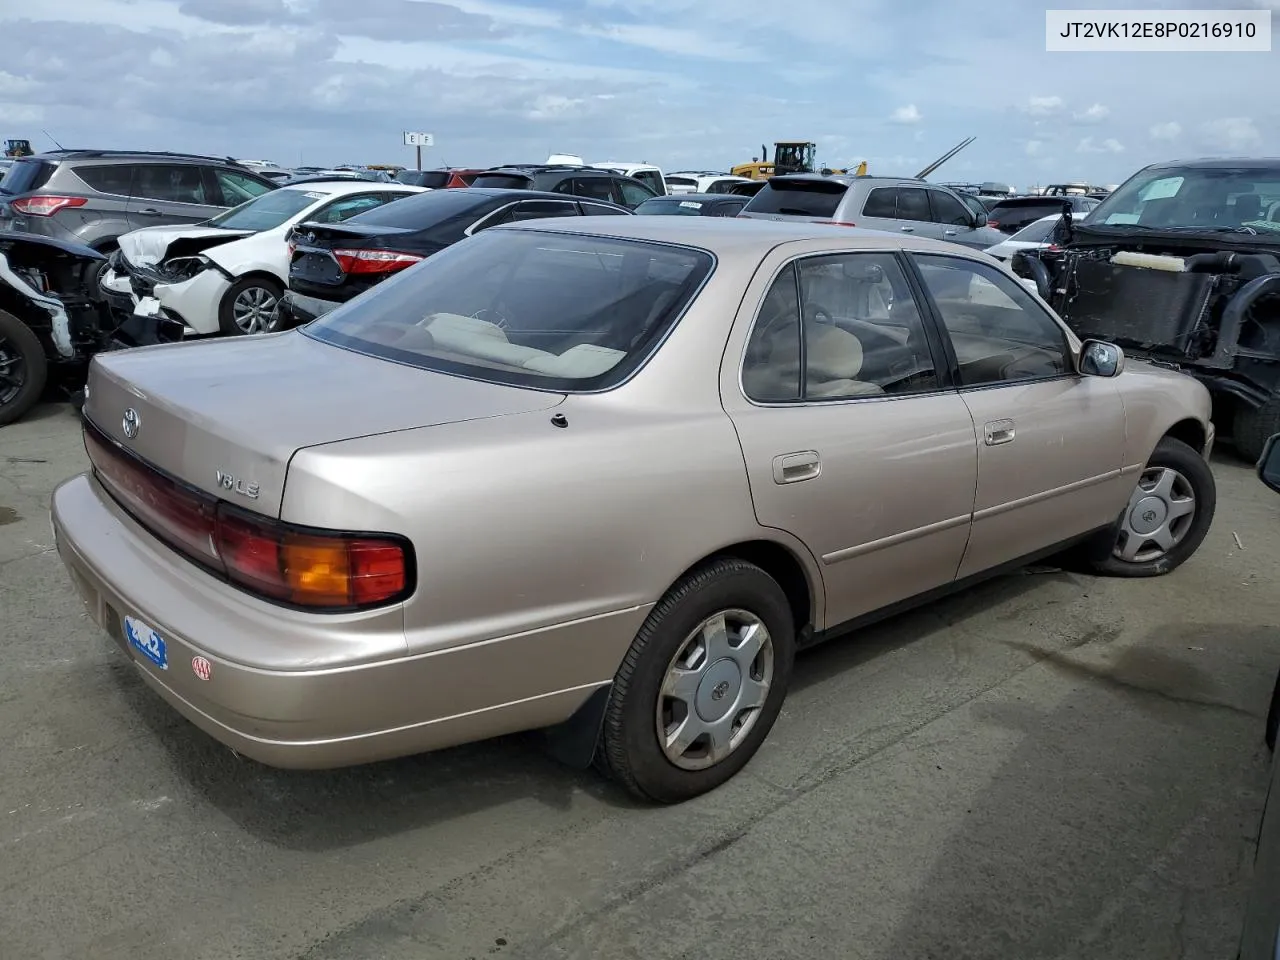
(993, 223)
(1054, 248)
(322, 570)
(837, 223)
(292, 248)
(374, 261)
(45, 206)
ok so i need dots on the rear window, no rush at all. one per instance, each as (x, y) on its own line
(26, 175)
(423, 210)
(502, 181)
(671, 208)
(561, 311)
(436, 179)
(798, 198)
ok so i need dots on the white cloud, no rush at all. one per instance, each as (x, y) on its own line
(1166, 131)
(907, 114)
(1109, 145)
(1094, 114)
(1044, 106)
(1233, 133)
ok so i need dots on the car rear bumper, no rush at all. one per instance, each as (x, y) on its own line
(297, 309)
(304, 706)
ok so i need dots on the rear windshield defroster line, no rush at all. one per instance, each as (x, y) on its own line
(565, 312)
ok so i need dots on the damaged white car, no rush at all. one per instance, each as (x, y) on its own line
(225, 276)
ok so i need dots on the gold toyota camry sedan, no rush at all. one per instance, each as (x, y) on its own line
(604, 477)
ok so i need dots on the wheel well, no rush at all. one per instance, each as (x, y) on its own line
(781, 564)
(1189, 432)
(259, 275)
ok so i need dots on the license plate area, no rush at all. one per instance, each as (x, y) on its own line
(317, 266)
(146, 641)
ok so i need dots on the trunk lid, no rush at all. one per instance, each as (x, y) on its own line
(315, 271)
(151, 246)
(224, 416)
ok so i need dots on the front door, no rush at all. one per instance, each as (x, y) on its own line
(858, 451)
(1050, 441)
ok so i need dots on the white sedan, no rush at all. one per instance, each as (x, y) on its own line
(1034, 236)
(226, 275)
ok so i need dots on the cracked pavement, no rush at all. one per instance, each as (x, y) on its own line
(1048, 766)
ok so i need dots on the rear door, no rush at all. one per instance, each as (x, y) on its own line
(861, 450)
(1050, 441)
(171, 193)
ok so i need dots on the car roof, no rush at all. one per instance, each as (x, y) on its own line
(733, 235)
(1214, 163)
(341, 186)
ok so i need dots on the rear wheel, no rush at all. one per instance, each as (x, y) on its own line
(702, 684)
(1251, 427)
(250, 307)
(1167, 516)
(23, 368)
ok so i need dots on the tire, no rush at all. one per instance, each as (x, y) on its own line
(94, 271)
(227, 308)
(1252, 426)
(1154, 559)
(629, 749)
(22, 358)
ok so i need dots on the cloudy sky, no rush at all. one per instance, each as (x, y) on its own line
(681, 83)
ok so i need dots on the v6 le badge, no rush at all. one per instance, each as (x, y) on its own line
(245, 488)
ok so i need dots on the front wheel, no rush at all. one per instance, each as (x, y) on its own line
(250, 307)
(1167, 516)
(23, 368)
(702, 684)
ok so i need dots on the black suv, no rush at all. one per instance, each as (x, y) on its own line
(592, 183)
(91, 197)
(1181, 266)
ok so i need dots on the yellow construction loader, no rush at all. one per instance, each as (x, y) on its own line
(789, 156)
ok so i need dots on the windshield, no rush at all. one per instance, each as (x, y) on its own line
(555, 311)
(267, 211)
(1196, 198)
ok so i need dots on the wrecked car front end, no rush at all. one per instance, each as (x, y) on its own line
(164, 275)
(1183, 271)
(50, 326)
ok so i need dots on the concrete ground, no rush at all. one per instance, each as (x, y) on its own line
(1047, 766)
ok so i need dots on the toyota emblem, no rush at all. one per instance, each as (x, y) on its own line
(131, 423)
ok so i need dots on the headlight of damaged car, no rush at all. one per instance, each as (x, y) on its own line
(184, 268)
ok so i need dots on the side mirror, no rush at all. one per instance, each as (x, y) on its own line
(979, 220)
(1269, 464)
(1101, 359)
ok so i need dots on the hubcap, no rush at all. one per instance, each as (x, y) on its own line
(714, 689)
(1160, 512)
(13, 371)
(254, 310)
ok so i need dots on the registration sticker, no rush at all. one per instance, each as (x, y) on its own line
(147, 642)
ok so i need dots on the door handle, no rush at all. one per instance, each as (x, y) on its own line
(998, 431)
(949, 233)
(908, 229)
(150, 212)
(794, 467)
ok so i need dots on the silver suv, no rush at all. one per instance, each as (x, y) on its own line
(91, 197)
(889, 204)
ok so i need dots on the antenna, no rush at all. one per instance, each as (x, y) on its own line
(55, 142)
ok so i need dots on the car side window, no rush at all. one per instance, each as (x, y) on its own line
(652, 180)
(999, 332)
(947, 209)
(538, 209)
(590, 209)
(913, 204)
(237, 188)
(730, 208)
(633, 194)
(113, 179)
(862, 332)
(175, 183)
(347, 207)
(881, 202)
(598, 188)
